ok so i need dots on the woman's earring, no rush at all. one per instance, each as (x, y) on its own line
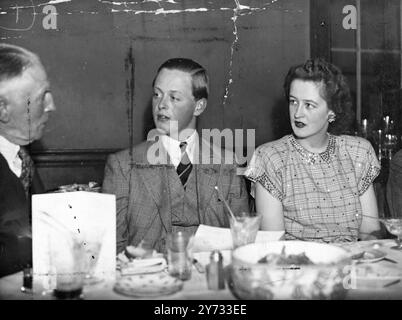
(331, 118)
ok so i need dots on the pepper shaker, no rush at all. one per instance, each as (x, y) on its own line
(215, 274)
(27, 279)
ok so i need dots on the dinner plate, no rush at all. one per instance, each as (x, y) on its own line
(148, 285)
(371, 255)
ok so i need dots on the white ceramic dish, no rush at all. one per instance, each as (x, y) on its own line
(321, 278)
(148, 285)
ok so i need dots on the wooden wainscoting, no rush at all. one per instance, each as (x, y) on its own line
(61, 167)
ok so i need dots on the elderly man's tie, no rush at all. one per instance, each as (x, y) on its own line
(27, 170)
(185, 165)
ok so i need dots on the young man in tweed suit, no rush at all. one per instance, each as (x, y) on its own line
(167, 183)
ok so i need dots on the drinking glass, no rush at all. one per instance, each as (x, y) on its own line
(244, 228)
(179, 254)
(62, 274)
(93, 240)
(394, 226)
(391, 219)
(67, 256)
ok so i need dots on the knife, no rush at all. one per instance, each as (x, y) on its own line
(391, 283)
(390, 260)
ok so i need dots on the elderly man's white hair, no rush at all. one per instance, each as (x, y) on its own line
(14, 60)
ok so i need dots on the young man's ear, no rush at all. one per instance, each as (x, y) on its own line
(200, 106)
(4, 114)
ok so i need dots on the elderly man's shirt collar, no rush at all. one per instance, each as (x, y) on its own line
(9, 151)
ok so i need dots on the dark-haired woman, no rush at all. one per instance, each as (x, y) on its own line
(316, 185)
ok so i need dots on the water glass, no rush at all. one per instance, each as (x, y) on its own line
(67, 264)
(391, 219)
(179, 254)
(244, 228)
(93, 241)
(394, 226)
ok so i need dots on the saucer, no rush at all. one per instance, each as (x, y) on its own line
(148, 285)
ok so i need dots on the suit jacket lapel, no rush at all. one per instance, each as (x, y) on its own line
(208, 173)
(153, 172)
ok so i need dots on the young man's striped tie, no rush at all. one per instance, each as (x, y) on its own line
(185, 165)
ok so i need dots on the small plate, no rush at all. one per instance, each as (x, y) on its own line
(371, 255)
(148, 285)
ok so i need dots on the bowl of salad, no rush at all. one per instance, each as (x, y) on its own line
(289, 270)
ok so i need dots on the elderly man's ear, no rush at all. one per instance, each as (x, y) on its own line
(200, 106)
(4, 114)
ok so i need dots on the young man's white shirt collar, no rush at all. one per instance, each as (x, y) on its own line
(172, 147)
(9, 151)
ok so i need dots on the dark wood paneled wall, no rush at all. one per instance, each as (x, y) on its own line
(320, 29)
(103, 56)
(60, 167)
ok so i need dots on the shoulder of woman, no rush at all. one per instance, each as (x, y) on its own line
(353, 142)
(358, 149)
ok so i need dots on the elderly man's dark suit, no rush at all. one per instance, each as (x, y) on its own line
(149, 196)
(15, 247)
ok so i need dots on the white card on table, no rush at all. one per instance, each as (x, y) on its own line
(209, 238)
(65, 228)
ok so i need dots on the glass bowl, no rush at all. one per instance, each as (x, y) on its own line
(326, 278)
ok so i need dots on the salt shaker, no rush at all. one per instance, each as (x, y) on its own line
(215, 274)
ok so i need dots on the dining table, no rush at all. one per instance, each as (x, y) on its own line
(380, 279)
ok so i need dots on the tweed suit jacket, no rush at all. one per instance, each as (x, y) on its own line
(142, 192)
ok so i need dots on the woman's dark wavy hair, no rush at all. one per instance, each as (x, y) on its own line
(334, 90)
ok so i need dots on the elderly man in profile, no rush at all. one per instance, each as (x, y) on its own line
(167, 184)
(25, 103)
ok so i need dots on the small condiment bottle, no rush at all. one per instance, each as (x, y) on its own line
(215, 274)
(27, 279)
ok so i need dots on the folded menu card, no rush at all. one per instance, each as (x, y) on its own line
(73, 234)
(209, 238)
